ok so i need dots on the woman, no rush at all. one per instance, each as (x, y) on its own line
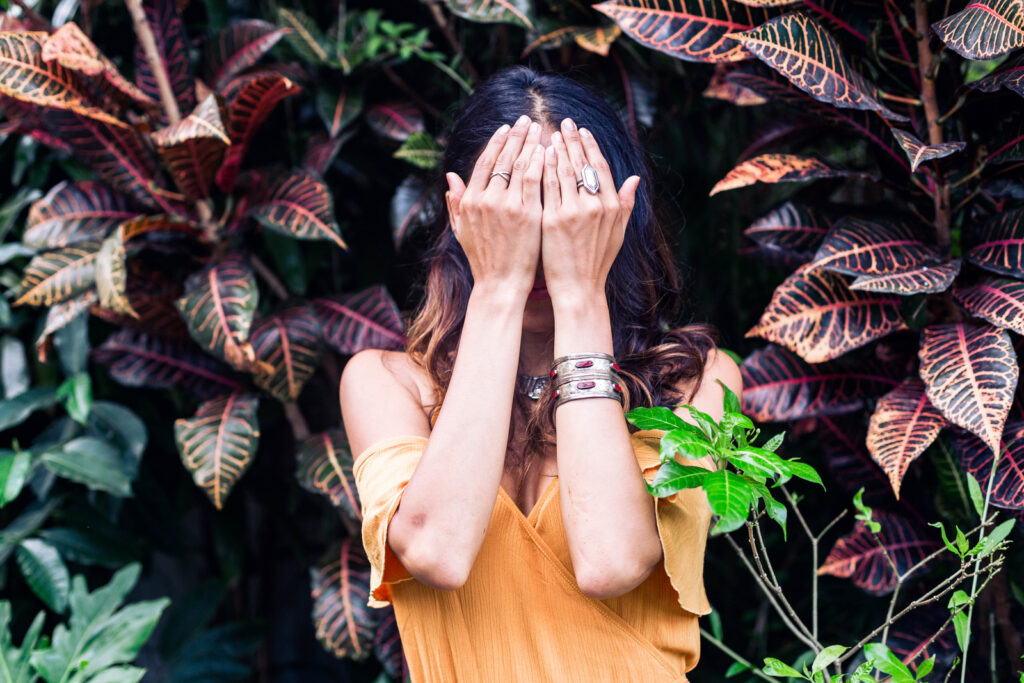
(505, 518)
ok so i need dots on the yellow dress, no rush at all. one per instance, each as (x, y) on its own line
(520, 616)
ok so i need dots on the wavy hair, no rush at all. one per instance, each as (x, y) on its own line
(643, 284)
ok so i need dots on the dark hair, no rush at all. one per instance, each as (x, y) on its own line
(643, 285)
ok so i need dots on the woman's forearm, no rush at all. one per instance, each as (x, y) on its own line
(442, 519)
(607, 513)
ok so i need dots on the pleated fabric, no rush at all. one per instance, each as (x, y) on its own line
(521, 616)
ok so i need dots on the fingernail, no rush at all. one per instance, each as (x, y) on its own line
(556, 137)
(568, 123)
(522, 120)
(534, 128)
(504, 128)
(584, 132)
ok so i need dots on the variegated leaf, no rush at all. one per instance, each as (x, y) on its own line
(1009, 76)
(305, 37)
(218, 307)
(73, 50)
(59, 275)
(168, 29)
(918, 152)
(325, 467)
(855, 246)
(345, 623)
(367, 319)
(778, 386)
(929, 279)
(692, 30)
(768, 3)
(970, 372)
(136, 359)
(596, 39)
(776, 168)
(420, 150)
(288, 344)
(299, 205)
(338, 109)
(816, 315)
(193, 148)
(413, 205)
(111, 275)
(387, 646)
(984, 29)
(395, 120)
(26, 76)
(493, 11)
(322, 151)
(846, 456)
(860, 557)
(800, 48)
(977, 458)
(218, 443)
(999, 244)
(999, 300)
(254, 97)
(60, 315)
(73, 212)
(792, 227)
(903, 425)
(153, 303)
(237, 47)
(720, 88)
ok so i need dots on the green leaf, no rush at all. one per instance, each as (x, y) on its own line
(773, 443)
(658, 417)
(730, 401)
(672, 477)
(962, 627)
(827, 656)
(14, 411)
(117, 424)
(761, 462)
(804, 471)
(864, 512)
(704, 421)
(736, 668)
(977, 499)
(14, 377)
(688, 444)
(990, 542)
(773, 667)
(15, 660)
(885, 661)
(93, 462)
(44, 571)
(776, 510)
(76, 394)
(14, 467)
(925, 668)
(421, 150)
(729, 496)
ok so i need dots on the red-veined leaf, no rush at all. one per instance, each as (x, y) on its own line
(25, 76)
(299, 205)
(412, 206)
(778, 386)
(237, 47)
(774, 256)
(929, 279)
(998, 300)
(984, 29)
(254, 98)
(368, 319)
(218, 443)
(493, 11)
(552, 39)
(970, 372)
(791, 131)
(156, 224)
(395, 120)
(112, 276)
(692, 30)
(816, 315)
(387, 646)
(59, 315)
(598, 39)
(903, 425)
(192, 149)
(720, 88)
(288, 344)
(218, 307)
(345, 623)
(154, 308)
(1009, 76)
(842, 439)
(855, 246)
(767, 3)
(792, 227)
(922, 634)
(59, 275)
(918, 152)
(999, 244)
(802, 50)
(860, 558)
(338, 109)
(1004, 138)
(776, 168)
(976, 457)
(73, 50)
(72, 212)
(136, 359)
(322, 151)
(325, 467)
(168, 29)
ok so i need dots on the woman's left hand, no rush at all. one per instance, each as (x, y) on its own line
(581, 233)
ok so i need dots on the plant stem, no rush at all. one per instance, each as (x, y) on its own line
(931, 112)
(300, 429)
(735, 656)
(270, 278)
(755, 528)
(442, 23)
(156, 64)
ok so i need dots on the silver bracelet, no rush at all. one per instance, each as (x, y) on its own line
(601, 387)
(574, 362)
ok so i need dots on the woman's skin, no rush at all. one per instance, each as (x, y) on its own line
(539, 230)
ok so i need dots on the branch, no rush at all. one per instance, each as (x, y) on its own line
(156, 64)
(736, 657)
(270, 278)
(931, 112)
(442, 23)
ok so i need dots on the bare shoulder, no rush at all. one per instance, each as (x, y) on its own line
(382, 395)
(718, 367)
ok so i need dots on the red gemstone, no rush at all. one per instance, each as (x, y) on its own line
(584, 363)
(584, 385)
(556, 393)
(616, 366)
(552, 373)
(617, 388)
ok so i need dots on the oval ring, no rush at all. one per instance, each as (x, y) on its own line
(588, 179)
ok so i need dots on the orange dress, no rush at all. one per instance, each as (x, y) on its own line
(521, 616)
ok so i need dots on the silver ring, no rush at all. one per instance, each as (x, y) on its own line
(504, 174)
(588, 180)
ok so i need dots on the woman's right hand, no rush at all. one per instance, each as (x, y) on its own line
(498, 226)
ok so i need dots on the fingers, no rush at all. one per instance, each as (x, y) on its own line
(566, 174)
(552, 189)
(532, 178)
(518, 170)
(509, 152)
(456, 188)
(485, 162)
(596, 159)
(577, 157)
(627, 198)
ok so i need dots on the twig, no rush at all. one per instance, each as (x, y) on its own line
(736, 657)
(156, 65)
(300, 429)
(931, 112)
(270, 278)
(442, 23)
(773, 583)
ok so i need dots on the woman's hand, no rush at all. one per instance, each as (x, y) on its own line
(498, 223)
(581, 233)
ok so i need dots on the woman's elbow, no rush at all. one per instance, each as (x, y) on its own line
(602, 583)
(427, 561)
